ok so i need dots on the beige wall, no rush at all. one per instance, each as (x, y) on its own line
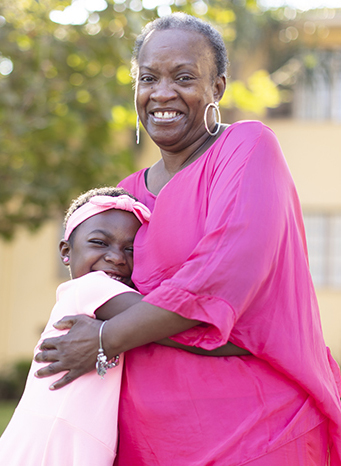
(313, 152)
(28, 280)
(30, 270)
(330, 309)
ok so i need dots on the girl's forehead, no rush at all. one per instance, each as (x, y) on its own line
(113, 221)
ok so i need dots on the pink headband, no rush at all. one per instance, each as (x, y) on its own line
(98, 204)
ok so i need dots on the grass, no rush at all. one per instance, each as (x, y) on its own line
(6, 410)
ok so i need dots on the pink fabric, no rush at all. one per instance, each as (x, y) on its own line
(310, 449)
(76, 425)
(98, 204)
(226, 245)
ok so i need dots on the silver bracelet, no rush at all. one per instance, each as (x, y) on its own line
(102, 364)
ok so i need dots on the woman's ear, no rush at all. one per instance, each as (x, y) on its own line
(64, 249)
(219, 87)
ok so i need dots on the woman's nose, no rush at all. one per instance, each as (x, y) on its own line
(163, 91)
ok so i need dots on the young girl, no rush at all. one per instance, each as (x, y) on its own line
(78, 425)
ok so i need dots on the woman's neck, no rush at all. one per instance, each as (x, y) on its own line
(173, 162)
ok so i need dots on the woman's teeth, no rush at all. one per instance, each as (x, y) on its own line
(166, 115)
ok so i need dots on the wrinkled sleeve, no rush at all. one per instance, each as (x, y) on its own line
(249, 199)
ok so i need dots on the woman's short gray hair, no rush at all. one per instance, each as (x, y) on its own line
(187, 23)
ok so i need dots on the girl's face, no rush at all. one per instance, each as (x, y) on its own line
(175, 82)
(103, 242)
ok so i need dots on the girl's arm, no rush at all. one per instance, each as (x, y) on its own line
(226, 350)
(117, 304)
(121, 302)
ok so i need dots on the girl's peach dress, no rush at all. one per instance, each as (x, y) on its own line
(76, 425)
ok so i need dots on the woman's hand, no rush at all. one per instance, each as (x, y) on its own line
(75, 352)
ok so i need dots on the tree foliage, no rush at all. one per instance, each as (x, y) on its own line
(66, 105)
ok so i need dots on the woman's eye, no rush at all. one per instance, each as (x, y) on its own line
(146, 79)
(131, 249)
(184, 78)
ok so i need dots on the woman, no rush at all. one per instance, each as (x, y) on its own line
(223, 258)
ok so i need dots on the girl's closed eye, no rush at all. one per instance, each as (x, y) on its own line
(98, 242)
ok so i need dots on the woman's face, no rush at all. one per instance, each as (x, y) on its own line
(175, 83)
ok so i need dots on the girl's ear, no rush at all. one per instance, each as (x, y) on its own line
(64, 249)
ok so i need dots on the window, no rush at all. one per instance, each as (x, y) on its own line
(324, 247)
(317, 94)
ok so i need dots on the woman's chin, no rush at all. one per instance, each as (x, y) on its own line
(167, 139)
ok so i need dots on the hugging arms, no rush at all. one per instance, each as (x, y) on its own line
(111, 310)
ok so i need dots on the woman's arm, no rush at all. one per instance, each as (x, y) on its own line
(121, 302)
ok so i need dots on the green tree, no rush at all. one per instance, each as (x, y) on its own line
(68, 102)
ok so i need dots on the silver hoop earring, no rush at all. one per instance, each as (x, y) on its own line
(215, 106)
(137, 133)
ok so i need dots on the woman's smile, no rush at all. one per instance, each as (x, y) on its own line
(162, 117)
(166, 115)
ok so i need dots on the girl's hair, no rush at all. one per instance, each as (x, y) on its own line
(85, 197)
(187, 23)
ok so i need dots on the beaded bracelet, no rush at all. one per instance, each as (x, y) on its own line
(102, 364)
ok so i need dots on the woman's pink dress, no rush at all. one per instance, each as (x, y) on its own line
(226, 245)
(76, 425)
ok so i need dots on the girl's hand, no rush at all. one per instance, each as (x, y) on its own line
(75, 352)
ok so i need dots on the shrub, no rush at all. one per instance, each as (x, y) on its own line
(12, 381)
